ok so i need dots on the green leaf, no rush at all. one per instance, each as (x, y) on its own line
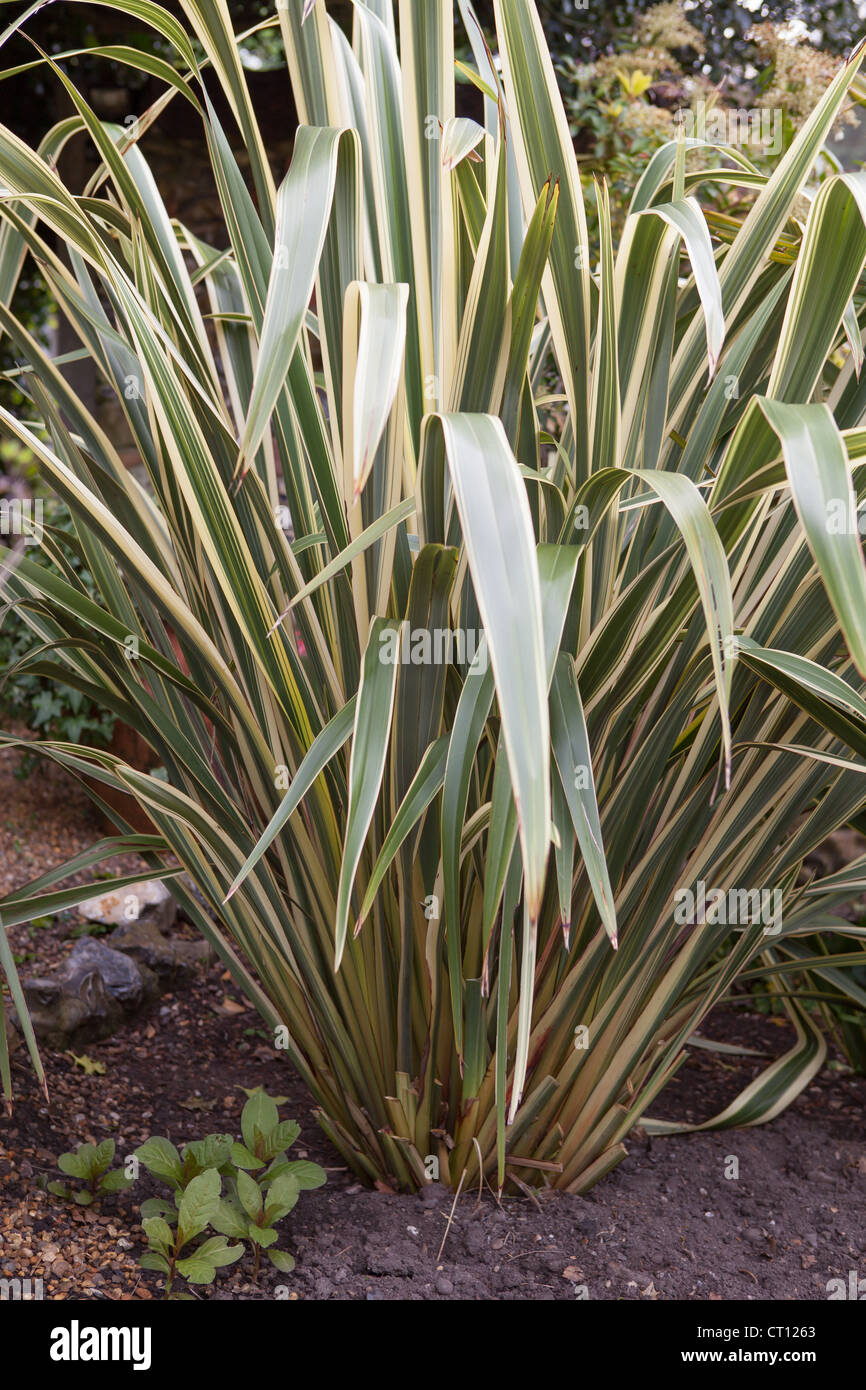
(282, 1196)
(504, 570)
(821, 486)
(303, 209)
(242, 1158)
(161, 1158)
(103, 1157)
(230, 1220)
(116, 1181)
(574, 763)
(218, 1252)
(259, 1118)
(198, 1204)
(250, 1196)
(77, 1165)
(151, 1260)
(156, 1206)
(306, 1174)
(159, 1233)
(373, 711)
(263, 1236)
(197, 1269)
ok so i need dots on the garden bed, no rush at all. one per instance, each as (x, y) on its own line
(666, 1224)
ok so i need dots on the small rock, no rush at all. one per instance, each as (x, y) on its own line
(173, 962)
(149, 901)
(120, 975)
(444, 1286)
(65, 1017)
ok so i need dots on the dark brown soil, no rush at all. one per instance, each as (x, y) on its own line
(666, 1224)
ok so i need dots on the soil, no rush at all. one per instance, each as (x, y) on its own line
(669, 1223)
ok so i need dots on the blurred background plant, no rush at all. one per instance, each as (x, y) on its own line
(624, 104)
(44, 705)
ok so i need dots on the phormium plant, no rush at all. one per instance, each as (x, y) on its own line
(463, 693)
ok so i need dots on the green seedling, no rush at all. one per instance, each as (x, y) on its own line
(171, 1232)
(91, 1164)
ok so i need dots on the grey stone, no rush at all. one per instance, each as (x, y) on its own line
(89, 997)
(64, 1018)
(120, 975)
(173, 962)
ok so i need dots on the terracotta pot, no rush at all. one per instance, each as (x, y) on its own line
(127, 743)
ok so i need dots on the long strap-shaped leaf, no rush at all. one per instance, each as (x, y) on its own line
(303, 210)
(504, 569)
(543, 148)
(319, 754)
(574, 761)
(373, 711)
(424, 786)
(772, 1090)
(374, 340)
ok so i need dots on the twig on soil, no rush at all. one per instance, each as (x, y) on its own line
(451, 1217)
